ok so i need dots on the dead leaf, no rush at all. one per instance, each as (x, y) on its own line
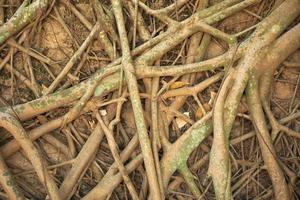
(199, 113)
(207, 107)
(178, 84)
(180, 122)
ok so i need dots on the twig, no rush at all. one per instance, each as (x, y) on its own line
(74, 58)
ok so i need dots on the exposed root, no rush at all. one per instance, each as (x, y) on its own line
(114, 148)
(158, 143)
(8, 183)
(15, 128)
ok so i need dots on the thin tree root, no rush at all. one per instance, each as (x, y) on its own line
(128, 69)
(114, 149)
(8, 182)
(268, 152)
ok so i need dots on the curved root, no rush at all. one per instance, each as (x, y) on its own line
(15, 128)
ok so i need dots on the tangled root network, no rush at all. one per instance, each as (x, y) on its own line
(159, 99)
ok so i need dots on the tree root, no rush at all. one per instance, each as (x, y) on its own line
(23, 16)
(15, 128)
(246, 67)
(8, 183)
(128, 68)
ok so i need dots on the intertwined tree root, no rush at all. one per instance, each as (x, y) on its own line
(247, 69)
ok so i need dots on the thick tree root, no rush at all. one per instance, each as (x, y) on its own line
(15, 128)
